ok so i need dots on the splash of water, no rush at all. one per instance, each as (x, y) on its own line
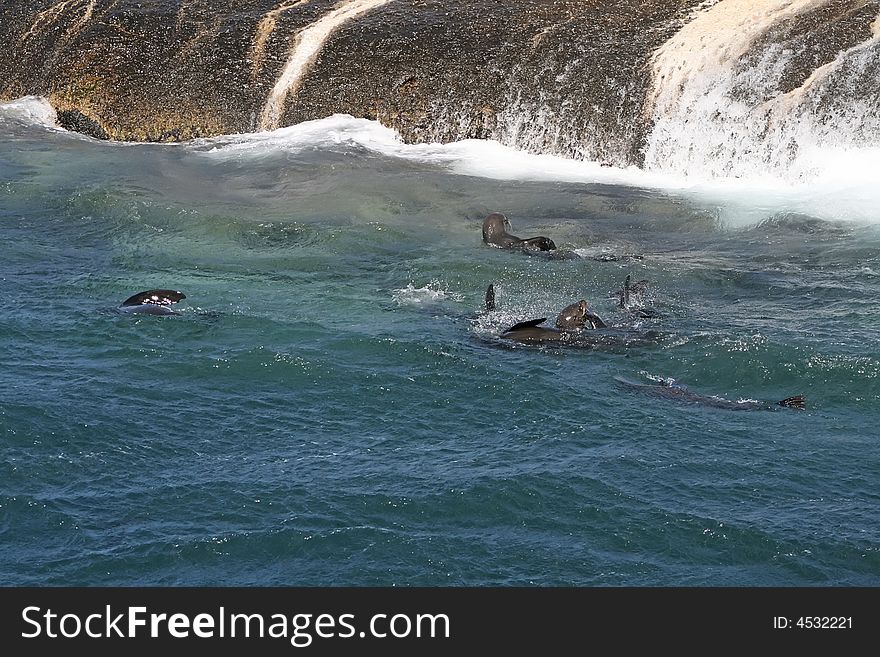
(737, 201)
(34, 110)
(307, 45)
(720, 109)
(432, 292)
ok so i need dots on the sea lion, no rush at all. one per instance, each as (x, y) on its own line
(573, 327)
(570, 322)
(152, 302)
(495, 233)
(624, 296)
(531, 331)
(630, 298)
(578, 315)
(678, 392)
(489, 303)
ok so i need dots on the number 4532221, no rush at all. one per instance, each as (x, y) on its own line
(813, 622)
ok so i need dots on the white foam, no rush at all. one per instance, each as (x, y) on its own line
(475, 157)
(33, 110)
(842, 187)
(432, 292)
(718, 114)
(338, 129)
(663, 380)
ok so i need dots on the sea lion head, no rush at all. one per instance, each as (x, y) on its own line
(494, 226)
(574, 316)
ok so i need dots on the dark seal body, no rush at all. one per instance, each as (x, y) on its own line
(531, 331)
(680, 393)
(152, 302)
(495, 228)
(570, 325)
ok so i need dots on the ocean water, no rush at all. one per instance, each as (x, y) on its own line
(332, 407)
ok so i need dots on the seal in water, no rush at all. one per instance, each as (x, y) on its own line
(578, 315)
(152, 302)
(572, 328)
(630, 298)
(532, 331)
(495, 233)
(490, 298)
(678, 392)
(569, 323)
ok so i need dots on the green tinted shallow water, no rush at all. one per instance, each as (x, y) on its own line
(331, 407)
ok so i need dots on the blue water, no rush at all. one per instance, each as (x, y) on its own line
(331, 407)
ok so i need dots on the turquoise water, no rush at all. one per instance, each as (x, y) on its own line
(331, 407)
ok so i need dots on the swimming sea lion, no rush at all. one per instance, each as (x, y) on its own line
(569, 323)
(531, 331)
(152, 302)
(495, 233)
(573, 328)
(678, 392)
(630, 298)
(624, 296)
(578, 315)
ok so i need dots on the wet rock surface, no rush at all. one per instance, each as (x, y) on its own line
(560, 76)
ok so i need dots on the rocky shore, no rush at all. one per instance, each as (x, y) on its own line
(562, 76)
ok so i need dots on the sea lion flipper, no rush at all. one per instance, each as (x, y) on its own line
(595, 320)
(798, 402)
(490, 297)
(157, 297)
(539, 243)
(527, 324)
